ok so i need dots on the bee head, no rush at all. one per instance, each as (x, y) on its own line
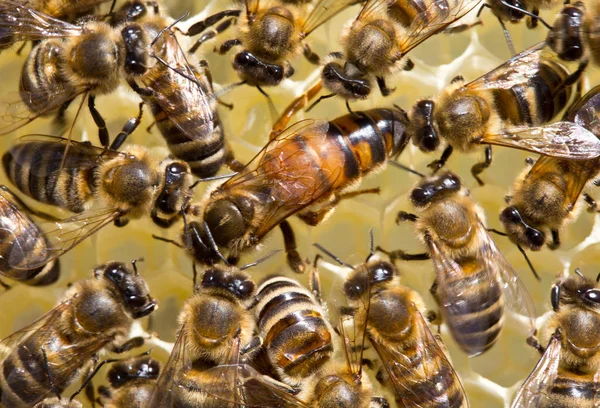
(376, 272)
(130, 285)
(226, 219)
(434, 189)
(256, 72)
(172, 194)
(139, 368)
(136, 44)
(337, 391)
(348, 83)
(421, 128)
(234, 281)
(511, 14)
(133, 11)
(565, 36)
(519, 231)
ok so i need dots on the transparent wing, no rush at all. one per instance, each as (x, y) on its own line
(372, 7)
(536, 387)
(322, 11)
(433, 19)
(65, 235)
(284, 176)
(21, 23)
(564, 140)
(430, 379)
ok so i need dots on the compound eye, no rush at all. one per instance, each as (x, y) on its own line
(176, 169)
(245, 288)
(429, 139)
(383, 271)
(209, 278)
(421, 196)
(535, 237)
(511, 214)
(451, 182)
(115, 274)
(592, 296)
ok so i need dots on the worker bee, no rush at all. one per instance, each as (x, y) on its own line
(128, 184)
(131, 383)
(378, 40)
(568, 372)
(474, 281)
(272, 33)
(574, 34)
(21, 238)
(215, 326)
(528, 90)
(306, 170)
(96, 315)
(545, 197)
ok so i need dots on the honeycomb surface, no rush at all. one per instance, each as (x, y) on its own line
(491, 379)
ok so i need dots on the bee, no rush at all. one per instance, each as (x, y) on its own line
(473, 280)
(215, 325)
(131, 383)
(574, 33)
(545, 197)
(21, 238)
(96, 315)
(306, 170)
(568, 372)
(128, 185)
(378, 40)
(530, 89)
(271, 33)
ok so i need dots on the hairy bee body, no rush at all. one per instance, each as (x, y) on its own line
(131, 383)
(97, 315)
(64, 8)
(294, 328)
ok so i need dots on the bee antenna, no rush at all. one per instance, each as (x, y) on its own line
(213, 178)
(527, 13)
(161, 32)
(177, 71)
(134, 264)
(259, 261)
(529, 262)
(91, 376)
(372, 245)
(578, 272)
(331, 255)
(213, 244)
(403, 167)
(598, 278)
(49, 374)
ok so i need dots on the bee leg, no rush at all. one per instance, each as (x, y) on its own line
(507, 37)
(170, 241)
(5, 285)
(574, 77)
(210, 21)
(555, 240)
(385, 91)
(310, 56)
(132, 343)
(379, 402)
(121, 222)
(209, 35)
(252, 346)
(59, 119)
(289, 240)
(147, 92)
(315, 279)
(149, 128)
(401, 255)
(228, 45)
(313, 218)
(535, 343)
(406, 216)
(99, 121)
(408, 65)
(593, 206)
(463, 27)
(130, 126)
(529, 161)
(479, 167)
(441, 162)
(532, 22)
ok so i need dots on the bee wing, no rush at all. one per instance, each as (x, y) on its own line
(354, 333)
(417, 384)
(535, 388)
(21, 23)
(178, 363)
(432, 20)
(242, 385)
(564, 140)
(251, 7)
(371, 7)
(284, 178)
(516, 71)
(517, 297)
(64, 235)
(322, 11)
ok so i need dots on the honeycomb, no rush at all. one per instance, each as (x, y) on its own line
(490, 380)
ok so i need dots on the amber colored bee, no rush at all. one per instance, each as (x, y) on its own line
(567, 375)
(271, 33)
(131, 383)
(376, 43)
(20, 239)
(96, 315)
(306, 170)
(474, 282)
(215, 325)
(575, 33)
(127, 185)
(545, 197)
(530, 89)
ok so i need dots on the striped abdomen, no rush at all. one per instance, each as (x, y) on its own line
(475, 320)
(571, 389)
(540, 100)
(35, 169)
(406, 11)
(188, 120)
(294, 329)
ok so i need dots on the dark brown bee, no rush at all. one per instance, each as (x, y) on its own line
(215, 326)
(131, 383)
(272, 33)
(96, 315)
(545, 197)
(127, 185)
(378, 40)
(21, 238)
(530, 89)
(567, 375)
(306, 170)
(474, 281)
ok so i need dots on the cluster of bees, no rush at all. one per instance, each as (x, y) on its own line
(276, 343)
